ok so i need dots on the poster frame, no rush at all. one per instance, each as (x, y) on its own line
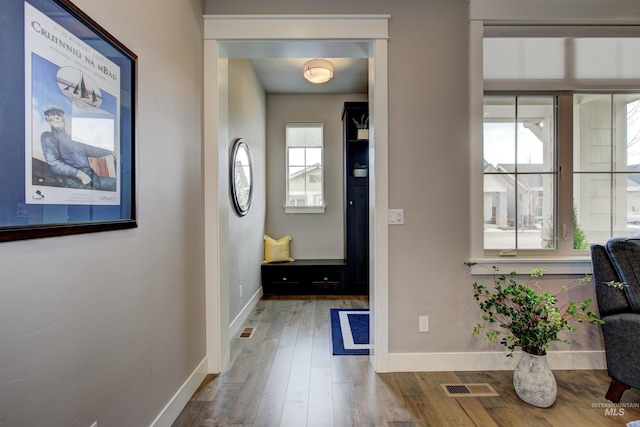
(41, 219)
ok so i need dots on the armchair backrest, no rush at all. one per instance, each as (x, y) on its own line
(625, 254)
(610, 300)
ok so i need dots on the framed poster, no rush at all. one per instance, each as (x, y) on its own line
(67, 112)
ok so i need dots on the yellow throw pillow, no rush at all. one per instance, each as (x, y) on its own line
(276, 250)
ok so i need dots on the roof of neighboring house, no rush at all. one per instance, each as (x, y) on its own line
(305, 170)
(522, 167)
(534, 180)
(635, 178)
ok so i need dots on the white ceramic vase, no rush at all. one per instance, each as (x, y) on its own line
(534, 382)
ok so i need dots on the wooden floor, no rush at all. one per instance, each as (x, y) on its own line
(285, 375)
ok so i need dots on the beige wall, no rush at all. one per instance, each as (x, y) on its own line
(107, 326)
(247, 117)
(315, 236)
(428, 169)
(428, 163)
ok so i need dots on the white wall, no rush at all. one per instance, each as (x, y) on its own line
(315, 236)
(247, 119)
(107, 326)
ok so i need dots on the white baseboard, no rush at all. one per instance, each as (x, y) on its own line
(490, 361)
(236, 324)
(179, 400)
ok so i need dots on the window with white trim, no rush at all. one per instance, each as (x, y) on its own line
(606, 166)
(520, 171)
(305, 169)
(561, 139)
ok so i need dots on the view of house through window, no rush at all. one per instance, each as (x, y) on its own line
(305, 183)
(519, 172)
(561, 138)
(606, 153)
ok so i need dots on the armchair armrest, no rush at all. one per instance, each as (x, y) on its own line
(621, 334)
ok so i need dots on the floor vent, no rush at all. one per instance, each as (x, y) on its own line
(471, 390)
(247, 333)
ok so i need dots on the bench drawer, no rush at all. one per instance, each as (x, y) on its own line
(304, 277)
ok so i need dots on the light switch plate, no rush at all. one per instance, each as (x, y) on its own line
(396, 216)
(423, 324)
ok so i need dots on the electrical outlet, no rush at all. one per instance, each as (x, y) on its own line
(423, 324)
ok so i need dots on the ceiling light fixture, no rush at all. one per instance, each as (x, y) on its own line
(318, 70)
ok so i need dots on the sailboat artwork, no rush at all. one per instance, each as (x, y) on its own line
(67, 75)
(79, 88)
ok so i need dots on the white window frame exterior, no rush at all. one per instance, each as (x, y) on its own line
(294, 208)
(526, 12)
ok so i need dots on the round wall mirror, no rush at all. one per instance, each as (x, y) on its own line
(241, 176)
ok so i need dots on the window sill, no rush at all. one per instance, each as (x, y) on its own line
(566, 265)
(304, 209)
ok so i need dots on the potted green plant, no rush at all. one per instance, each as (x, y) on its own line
(524, 317)
(359, 170)
(363, 127)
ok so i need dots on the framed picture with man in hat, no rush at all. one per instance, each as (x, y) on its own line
(67, 160)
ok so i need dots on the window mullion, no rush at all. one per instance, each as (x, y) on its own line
(612, 167)
(515, 171)
(564, 195)
(304, 177)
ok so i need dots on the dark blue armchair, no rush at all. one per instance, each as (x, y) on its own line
(619, 260)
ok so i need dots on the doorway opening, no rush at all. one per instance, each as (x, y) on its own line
(290, 36)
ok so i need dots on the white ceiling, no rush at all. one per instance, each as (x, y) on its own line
(284, 75)
(278, 64)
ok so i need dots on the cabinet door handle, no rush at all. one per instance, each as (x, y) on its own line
(351, 202)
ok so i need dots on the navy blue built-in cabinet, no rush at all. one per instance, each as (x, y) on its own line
(356, 191)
